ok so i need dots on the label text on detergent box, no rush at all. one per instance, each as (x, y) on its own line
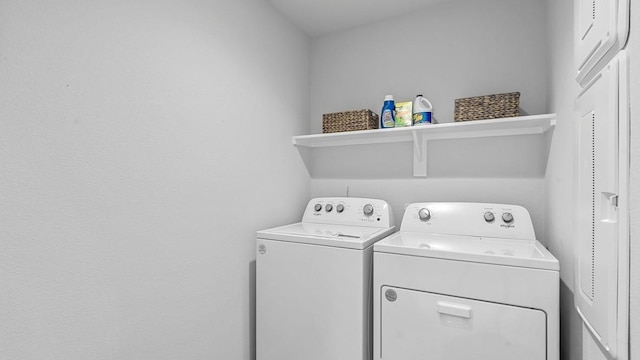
(403, 113)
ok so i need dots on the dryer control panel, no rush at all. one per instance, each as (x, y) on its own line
(472, 219)
(349, 211)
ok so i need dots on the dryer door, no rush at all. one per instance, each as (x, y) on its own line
(423, 325)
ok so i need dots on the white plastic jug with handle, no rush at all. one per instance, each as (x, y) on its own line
(422, 110)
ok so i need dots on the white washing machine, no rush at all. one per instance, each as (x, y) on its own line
(465, 281)
(314, 281)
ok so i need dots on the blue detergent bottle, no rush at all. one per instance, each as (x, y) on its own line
(387, 115)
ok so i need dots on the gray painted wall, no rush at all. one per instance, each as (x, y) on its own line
(560, 180)
(137, 141)
(451, 50)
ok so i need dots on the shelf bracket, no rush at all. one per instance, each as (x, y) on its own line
(419, 154)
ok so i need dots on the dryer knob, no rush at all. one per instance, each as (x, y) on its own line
(507, 217)
(424, 214)
(368, 210)
(340, 208)
(317, 207)
(328, 207)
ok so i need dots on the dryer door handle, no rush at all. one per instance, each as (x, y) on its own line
(459, 310)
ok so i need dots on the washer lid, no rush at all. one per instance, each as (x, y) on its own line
(521, 253)
(344, 236)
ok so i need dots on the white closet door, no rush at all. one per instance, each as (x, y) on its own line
(601, 30)
(423, 325)
(598, 242)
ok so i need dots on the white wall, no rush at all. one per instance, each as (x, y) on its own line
(450, 50)
(142, 144)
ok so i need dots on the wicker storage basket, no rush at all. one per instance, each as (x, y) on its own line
(487, 107)
(364, 119)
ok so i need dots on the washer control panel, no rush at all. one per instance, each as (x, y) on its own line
(349, 211)
(489, 217)
(473, 219)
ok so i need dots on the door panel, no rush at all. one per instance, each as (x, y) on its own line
(423, 325)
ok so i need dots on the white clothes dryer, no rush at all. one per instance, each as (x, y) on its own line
(465, 281)
(314, 281)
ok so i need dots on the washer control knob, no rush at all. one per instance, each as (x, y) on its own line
(317, 207)
(424, 214)
(328, 207)
(489, 217)
(340, 208)
(507, 217)
(368, 210)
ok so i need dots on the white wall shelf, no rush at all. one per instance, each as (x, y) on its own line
(419, 135)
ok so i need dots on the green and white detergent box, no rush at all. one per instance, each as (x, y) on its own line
(403, 113)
